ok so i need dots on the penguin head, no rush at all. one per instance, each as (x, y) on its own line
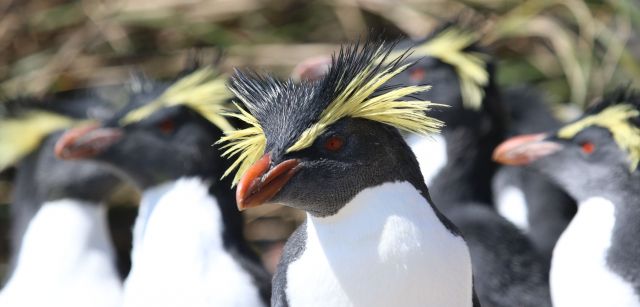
(83, 180)
(29, 128)
(463, 74)
(314, 145)
(596, 154)
(165, 132)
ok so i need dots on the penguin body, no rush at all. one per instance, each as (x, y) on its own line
(331, 147)
(594, 159)
(584, 247)
(529, 200)
(195, 237)
(188, 244)
(508, 270)
(63, 254)
(369, 246)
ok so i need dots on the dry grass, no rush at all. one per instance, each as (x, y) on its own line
(574, 49)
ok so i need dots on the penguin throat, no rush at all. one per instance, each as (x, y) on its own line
(352, 256)
(178, 233)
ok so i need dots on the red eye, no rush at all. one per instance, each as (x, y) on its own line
(588, 147)
(167, 126)
(334, 143)
(417, 75)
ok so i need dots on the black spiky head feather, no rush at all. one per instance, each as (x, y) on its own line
(203, 90)
(285, 116)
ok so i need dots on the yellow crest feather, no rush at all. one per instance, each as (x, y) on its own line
(387, 108)
(616, 120)
(20, 136)
(470, 67)
(203, 91)
(247, 144)
(355, 101)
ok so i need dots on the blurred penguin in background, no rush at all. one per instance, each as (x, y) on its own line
(188, 246)
(539, 207)
(596, 261)
(62, 254)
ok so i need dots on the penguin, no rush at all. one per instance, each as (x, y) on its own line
(331, 147)
(188, 244)
(596, 261)
(532, 202)
(62, 253)
(457, 165)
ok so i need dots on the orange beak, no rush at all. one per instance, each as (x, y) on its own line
(261, 183)
(524, 149)
(85, 142)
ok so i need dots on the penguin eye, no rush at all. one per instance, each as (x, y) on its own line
(588, 147)
(417, 75)
(333, 143)
(167, 126)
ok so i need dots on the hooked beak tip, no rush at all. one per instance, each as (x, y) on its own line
(85, 141)
(262, 182)
(524, 149)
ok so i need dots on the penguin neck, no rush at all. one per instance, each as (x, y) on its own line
(180, 223)
(66, 246)
(466, 177)
(600, 243)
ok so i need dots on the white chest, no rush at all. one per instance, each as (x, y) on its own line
(579, 273)
(512, 205)
(66, 259)
(385, 248)
(178, 258)
(431, 153)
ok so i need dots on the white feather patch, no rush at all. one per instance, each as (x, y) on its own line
(579, 273)
(384, 248)
(512, 205)
(431, 152)
(66, 260)
(178, 258)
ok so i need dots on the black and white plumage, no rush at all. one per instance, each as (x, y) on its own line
(372, 236)
(188, 247)
(62, 251)
(595, 159)
(457, 166)
(529, 200)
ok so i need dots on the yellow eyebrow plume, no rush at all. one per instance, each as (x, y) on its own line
(616, 120)
(204, 91)
(20, 136)
(471, 67)
(387, 108)
(247, 144)
(356, 100)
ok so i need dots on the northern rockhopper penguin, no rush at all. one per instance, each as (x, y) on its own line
(527, 198)
(62, 254)
(332, 148)
(596, 261)
(457, 163)
(188, 243)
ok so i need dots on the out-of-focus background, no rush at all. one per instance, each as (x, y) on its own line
(573, 50)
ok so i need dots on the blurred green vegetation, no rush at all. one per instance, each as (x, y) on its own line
(573, 49)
